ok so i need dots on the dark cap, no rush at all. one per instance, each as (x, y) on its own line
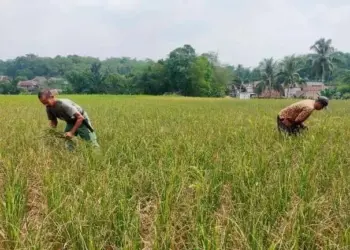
(323, 100)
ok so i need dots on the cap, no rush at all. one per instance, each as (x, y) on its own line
(323, 100)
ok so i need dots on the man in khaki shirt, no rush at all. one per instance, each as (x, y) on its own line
(291, 119)
(77, 120)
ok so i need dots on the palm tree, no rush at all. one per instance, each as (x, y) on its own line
(243, 75)
(346, 77)
(268, 73)
(290, 67)
(324, 57)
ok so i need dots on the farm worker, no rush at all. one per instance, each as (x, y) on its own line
(291, 119)
(77, 120)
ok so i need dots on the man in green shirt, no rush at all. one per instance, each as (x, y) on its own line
(77, 120)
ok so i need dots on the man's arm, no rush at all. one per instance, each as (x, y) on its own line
(303, 116)
(52, 118)
(53, 123)
(74, 114)
(79, 120)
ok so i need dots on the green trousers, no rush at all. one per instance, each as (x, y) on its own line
(83, 132)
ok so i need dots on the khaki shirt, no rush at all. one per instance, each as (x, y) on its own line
(64, 109)
(298, 112)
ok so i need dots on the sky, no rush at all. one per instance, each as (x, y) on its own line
(241, 32)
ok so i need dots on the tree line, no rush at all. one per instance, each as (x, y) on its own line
(183, 72)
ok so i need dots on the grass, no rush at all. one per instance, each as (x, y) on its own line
(175, 173)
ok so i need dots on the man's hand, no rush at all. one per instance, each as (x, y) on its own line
(53, 124)
(287, 123)
(79, 120)
(69, 135)
(303, 126)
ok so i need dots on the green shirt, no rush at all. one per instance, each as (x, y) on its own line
(64, 109)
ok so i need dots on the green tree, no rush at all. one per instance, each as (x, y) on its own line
(117, 84)
(345, 78)
(201, 78)
(223, 81)
(242, 76)
(153, 79)
(224, 78)
(268, 68)
(10, 87)
(2, 67)
(213, 58)
(330, 93)
(290, 67)
(63, 65)
(182, 72)
(79, 82)
(324, 58)
(125, 65)
(255, 74)
(343, 89)
(178, 68)
(97, 79)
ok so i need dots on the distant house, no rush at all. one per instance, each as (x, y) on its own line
(33, 85)
(250, 88)
(292, 92)
(58, 79)
(41, 80)
(56, 91)
(310, 90)
(4, 78)
(55, 79)
(313, 89)
(246, 95)
(255, 84)
(28, 85)
(270, 94)
(249, 92)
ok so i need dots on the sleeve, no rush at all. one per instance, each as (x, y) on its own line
(70, 109)
(303, 115)
(50, 115)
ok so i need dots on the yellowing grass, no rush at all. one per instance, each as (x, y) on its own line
(174, 173)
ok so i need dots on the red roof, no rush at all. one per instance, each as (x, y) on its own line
(27, 84)
(313, 88)
(272, 93)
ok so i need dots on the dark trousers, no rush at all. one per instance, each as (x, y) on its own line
(292, 130)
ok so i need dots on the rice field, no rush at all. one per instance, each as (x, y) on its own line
(174, 173)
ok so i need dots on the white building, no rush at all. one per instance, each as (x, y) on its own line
(292, 92)
(246, 95)
(249, 93)
(309, 90)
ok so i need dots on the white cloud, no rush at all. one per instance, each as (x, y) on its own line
(241, 31)
(122, 5)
